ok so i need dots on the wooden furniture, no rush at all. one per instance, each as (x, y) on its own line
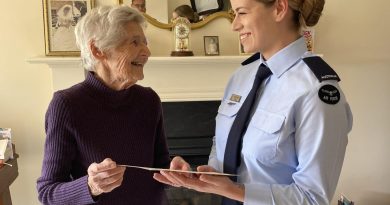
(7, 176)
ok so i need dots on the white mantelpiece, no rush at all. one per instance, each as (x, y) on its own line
(173, 78)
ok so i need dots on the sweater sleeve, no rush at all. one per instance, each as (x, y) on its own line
(161, 150)
(56, 185)
(161, 147)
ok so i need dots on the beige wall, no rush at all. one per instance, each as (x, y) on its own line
(352, 35)
(354, 38)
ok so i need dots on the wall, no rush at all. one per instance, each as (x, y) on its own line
(353, 36)
(358, 50)
(25, 91)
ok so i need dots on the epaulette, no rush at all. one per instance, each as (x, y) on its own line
(254, 57)
(321, 69)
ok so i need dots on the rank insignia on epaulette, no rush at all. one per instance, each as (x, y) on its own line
(235, 98)
(329, 94)
(321, 69)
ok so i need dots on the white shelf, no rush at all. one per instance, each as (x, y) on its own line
(192, 78)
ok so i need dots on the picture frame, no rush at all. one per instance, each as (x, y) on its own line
(203, 7)
(211, 45)
(60, 19)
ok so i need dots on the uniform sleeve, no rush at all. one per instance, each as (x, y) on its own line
(55, 186)
(320, 143)
(161, 157)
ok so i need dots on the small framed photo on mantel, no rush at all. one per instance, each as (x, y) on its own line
(60, 19)
(211, 45)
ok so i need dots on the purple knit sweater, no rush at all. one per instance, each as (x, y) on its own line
(90, 122)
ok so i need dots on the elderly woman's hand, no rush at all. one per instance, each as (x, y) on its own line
(104, 177)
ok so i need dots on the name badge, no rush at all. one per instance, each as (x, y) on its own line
(235, 98)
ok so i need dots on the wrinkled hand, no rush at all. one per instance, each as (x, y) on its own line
(104, 177)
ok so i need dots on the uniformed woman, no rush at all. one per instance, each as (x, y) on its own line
(283, 122)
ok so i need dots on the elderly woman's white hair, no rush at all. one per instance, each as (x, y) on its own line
(105, 26)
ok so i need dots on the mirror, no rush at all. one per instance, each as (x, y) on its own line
(159, 13)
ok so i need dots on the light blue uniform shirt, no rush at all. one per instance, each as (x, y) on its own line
(294, 146)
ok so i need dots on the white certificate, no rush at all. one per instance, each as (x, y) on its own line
(180, 171)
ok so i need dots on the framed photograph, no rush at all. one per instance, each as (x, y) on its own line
(60, 19)
(211, 45)
(206, 7)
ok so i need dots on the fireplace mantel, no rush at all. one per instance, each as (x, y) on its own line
(173, 78)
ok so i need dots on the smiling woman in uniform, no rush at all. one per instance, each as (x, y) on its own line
(283, 122)
(106, 120)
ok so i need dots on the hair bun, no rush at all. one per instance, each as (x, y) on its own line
(311, 11)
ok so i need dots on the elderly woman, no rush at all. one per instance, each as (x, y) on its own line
(105, 121)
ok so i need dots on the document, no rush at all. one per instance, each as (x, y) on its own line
(179, 171)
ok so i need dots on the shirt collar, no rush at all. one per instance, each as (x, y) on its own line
(287, 57)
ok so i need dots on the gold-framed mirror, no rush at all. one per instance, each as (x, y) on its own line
(159, 14)
(220, 14)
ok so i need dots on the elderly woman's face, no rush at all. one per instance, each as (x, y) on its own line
(124, 65)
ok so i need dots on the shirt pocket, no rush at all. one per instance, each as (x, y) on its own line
(262, 137)
(227, 112)
(229, 108)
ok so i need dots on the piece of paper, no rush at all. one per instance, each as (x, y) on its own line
(180, 171)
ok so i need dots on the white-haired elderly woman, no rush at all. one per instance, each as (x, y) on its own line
(105, 121)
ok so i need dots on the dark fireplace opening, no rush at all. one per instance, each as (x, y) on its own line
(189, 127)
